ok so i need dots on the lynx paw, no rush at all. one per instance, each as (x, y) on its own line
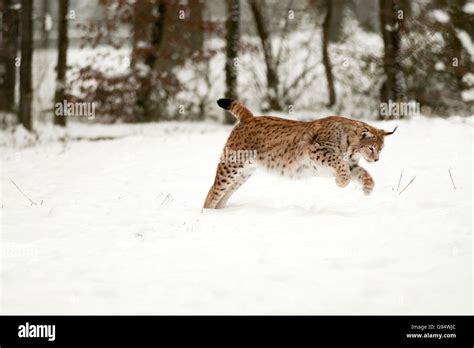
(368, 186)
(368, 190)
(342, 181)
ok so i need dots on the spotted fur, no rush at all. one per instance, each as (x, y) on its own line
(291, 148)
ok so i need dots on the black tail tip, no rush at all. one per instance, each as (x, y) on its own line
(225, 103)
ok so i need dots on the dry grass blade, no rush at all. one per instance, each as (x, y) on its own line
(451, 176)
(167, 199)
(407, 185)
(21, 191)
(400, 179)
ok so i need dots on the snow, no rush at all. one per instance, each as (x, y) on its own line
(469, 8)
(118, 228)
(441, 16)
(468, 95)
(466, 41)
(439, 66)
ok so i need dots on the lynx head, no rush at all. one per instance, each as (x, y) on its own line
(371, 142)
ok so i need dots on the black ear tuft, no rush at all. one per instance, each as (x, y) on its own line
(388, 133)
(225, 103)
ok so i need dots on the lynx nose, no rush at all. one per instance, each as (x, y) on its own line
(376, 159)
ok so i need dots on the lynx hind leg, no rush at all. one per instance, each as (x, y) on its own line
(229, 177)
(240, 178)
(363, 177)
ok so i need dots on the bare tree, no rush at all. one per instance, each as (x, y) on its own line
(326, 58)
(26, 93)
(232, 46)
(257, 8)
(63, 41)
(156, 40)
(8, 54)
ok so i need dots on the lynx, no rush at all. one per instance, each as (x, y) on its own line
(332, 145)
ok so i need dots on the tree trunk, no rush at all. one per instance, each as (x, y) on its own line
(454, 45)
(272, 76)
(141, 11)
(391, 88)
(8, 53)
(143, 102)
(326, 58)
(157, 32)
(45, 27)
(26, 93)
(63, 41)
(232, 46)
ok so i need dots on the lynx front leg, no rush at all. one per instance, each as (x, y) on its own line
(328, 157)
(362, 176)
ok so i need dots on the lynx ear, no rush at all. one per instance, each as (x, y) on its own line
(385, 133)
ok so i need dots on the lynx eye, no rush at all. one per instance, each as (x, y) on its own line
(372, 149)
(365, 134)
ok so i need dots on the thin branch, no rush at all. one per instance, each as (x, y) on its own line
(291, 85)
(285, 32)
(19, 189)
(298, 79)
(407, 185)
(256, 80)
(452, 180)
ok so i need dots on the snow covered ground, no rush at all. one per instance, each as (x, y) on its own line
(118, 228)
